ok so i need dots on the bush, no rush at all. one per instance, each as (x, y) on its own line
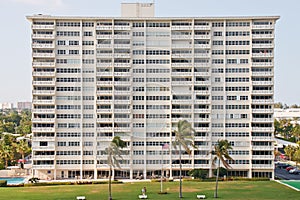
(3, 183)
(199, 173)
(222, 172)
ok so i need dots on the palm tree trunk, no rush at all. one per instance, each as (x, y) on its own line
(180, 173)
(109, 184)
(217, 179)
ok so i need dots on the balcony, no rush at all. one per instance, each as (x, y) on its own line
(122, 111)
(201, 65)
(104, 74)
(181, 37)
(44, 74)
(103, 83)
(262, 92)
(44, 111)
(104, 102)
(106, 37)
(257, 46)
(202, 55)
(262, 138)
(262, 110)
(184, 166)
(122, 27)
(267, 120)
(104, 110)
(43, 157)
(104, 46)
(263, 157)
(201, 119)
(262, 26)
(50, 83)
(182, 46)
(263, 129)
(202, 82)
(182, 27)
(262, 36)
(44, 167)
(184, 65)
(202, 46)
(204, 37)
(104, 92)
(262, 55)
(263, 74)
(43, 92)
(42, 27)
(122, 74)
(178, 119)
(182, 101)
(201, 101)
(128, 83)
(202, 166)
(48, 139)
(104, 65)
(262, 64)
(104, 129)
(48, 148)
(126, 120)
(122, 55)
(41, 120)
(203, 92)
(122, 46)
(104, 27)
(43, 102)
(122, 65)
(182, 55)
(43, 36)
(182, 74)
(181, 111)
(43, 55)
(43, 46)
(260, 148)
(262, 82)
(201, 74)
(120, 92)
(124, 129)
(128, 102)
(262, 166)
(197, 27)
(104, 55)
(43, 64)
(99, 120)
(120, 36)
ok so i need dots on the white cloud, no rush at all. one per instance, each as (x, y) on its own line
(49, 3)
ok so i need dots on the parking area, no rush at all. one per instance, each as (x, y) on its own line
(282, 173)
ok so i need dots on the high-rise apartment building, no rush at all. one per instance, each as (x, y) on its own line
(136, 76)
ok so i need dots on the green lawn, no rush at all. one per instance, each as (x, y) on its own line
(128, 191)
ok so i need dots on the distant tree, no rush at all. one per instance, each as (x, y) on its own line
(296, 132)
(294, 106)
(278, 105)
(6, 153)
(296, 155)
(289, 151)
(22, 148)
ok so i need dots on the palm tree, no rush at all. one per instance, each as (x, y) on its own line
(114, 152)
(6, 152)
(22, 148)
(183, 138)
(221, 155)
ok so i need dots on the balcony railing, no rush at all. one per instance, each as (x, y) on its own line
(262, 36)
(43, 27)
(43, 64)
(43, 36)
(43, 92)
(43, 83)
(43, 74)
(41, 46)
(262, 26)
(262, 166)
(43, 55)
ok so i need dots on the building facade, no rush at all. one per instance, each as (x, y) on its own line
(135, 77)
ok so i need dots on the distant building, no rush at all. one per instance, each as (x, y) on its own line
(4, 106)
(289, 113)
(24, 105)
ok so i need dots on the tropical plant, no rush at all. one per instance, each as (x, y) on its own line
(221, 155)
(114, 154)
(198, 173)
(23, 148)
(183, 139)
(296, 155)
(6, 153)
(289, 150)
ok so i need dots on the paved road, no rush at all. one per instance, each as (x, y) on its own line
(283, 174)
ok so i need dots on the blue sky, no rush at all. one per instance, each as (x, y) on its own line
(15, 52)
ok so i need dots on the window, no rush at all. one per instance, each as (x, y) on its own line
(87, 33)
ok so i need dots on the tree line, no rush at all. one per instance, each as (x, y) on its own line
(15, 128)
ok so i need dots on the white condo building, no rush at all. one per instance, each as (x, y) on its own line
(135, 77)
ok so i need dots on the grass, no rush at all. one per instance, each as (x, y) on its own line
(227, 190)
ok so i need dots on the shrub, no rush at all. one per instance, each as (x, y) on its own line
(3, 183)
(199, 173)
